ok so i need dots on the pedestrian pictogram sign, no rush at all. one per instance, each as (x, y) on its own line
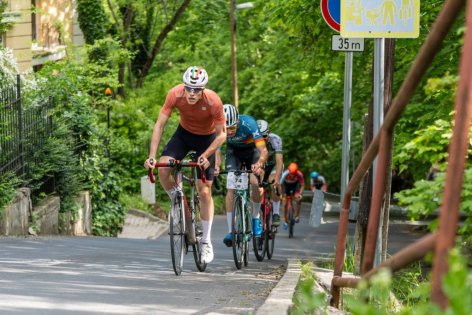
(331, 11)
(380, 18)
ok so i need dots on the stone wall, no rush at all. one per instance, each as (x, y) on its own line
(14, 220)
(20, 218)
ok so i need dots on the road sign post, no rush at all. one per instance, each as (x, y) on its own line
(331, 11)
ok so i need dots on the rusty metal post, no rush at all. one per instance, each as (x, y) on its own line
(385, 147)
(407, 255)
(403, 258)
(449, 214)
(432, 45)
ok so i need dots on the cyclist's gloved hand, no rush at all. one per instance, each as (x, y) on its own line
(203, 162)
(149, 163)
(257, 168)
(216, 172)
(297, 196)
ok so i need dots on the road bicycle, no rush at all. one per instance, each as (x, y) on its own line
(290, 214)
(241, 226)
(185, 228)
(264, 244)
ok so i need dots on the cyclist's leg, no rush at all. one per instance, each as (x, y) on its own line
(299, 205)
(275, 201)
(251, 156)
(200, 143)
(176, 149)
(232, 164)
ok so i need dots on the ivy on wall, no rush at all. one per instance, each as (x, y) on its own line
(91, 19)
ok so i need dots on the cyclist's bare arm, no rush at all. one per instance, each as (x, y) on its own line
(217, 162)
(263, 154)
(279, 165)
(156, 137)
(220, 138)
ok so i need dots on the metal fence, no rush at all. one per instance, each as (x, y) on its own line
(23, 132)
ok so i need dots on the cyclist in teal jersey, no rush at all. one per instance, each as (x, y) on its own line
(245, 145)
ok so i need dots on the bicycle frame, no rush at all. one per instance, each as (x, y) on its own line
(243, 233)
(185, 223)
(290, 214)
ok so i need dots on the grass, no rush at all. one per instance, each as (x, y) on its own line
(386, 291)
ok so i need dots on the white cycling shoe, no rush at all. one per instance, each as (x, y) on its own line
(207, 253)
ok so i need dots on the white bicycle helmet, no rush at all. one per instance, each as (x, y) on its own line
(231, 115)
(263, 126)
(195, 77)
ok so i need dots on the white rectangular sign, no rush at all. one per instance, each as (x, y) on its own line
(339, 43)
(380, 18)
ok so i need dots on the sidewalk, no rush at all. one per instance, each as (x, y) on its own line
(142, 225)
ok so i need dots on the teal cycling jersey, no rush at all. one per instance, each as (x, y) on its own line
(247, 135)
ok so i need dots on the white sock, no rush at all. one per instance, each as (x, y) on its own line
(206, 226)
(276, 206)
(170, 191)
(256, 206)
(229, 220)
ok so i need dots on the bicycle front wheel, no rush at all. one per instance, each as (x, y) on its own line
(197, 226)
(269, 233)
(177, 234)
(239, 232)
(258, 243)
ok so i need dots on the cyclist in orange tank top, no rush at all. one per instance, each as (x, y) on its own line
(202, 129)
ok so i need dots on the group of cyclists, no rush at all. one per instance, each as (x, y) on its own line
(205, 125)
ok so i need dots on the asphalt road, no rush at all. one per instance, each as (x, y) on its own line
(95, 275)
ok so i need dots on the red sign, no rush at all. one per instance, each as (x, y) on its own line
(331, 11)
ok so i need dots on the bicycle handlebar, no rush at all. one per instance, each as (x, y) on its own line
(172, 164)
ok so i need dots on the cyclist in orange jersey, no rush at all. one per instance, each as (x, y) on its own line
(202, 129)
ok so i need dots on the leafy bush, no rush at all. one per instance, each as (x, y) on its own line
(8, 184)
(77, 90)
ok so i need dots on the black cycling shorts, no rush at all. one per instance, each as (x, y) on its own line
(184, 141)
(236, 157)
(290, 188)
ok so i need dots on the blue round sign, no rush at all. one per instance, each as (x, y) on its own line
(331, 11)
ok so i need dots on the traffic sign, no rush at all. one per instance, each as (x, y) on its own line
(339, 43)
(331, 11)
(380, 18)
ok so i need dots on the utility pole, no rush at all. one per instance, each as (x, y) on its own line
(234, 74)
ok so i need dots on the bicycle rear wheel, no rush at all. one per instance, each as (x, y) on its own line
(177, 234)
(197, 226)
(269, 233)
(258, 243)
(239, 232)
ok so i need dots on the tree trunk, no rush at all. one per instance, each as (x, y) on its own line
(365, 196)
(158, 43)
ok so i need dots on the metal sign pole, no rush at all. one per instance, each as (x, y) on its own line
(379, 55)
(346, 121)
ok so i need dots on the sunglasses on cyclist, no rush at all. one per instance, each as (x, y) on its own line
(232, 128)
(193, 89)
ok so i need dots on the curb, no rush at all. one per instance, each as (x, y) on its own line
(279, 300)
